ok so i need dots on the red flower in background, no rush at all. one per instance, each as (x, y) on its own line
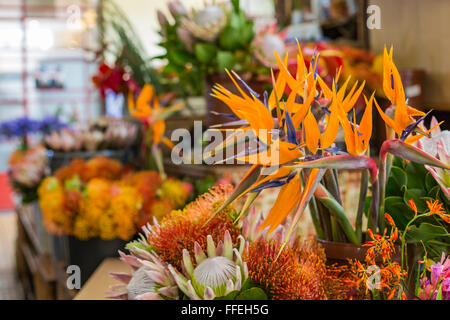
(115, 79)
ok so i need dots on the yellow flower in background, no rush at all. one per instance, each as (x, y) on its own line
(175, 191)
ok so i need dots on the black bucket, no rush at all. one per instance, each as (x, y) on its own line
(87, 254)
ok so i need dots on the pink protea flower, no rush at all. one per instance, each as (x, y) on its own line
(149, 280)
(438, 145)
(266, 42)
(206, 23)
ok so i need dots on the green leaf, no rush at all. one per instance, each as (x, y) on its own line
(231, 296)
(247, 284)
(399, 162)
(430, 182)
(419, 197)
(179, 58)
(425, 232)
(397, 179)
(400, 212)
(225, 60)
(439, 294)
(205, 52)
(246, 34)
(254, 293)
(416, 175)
(229, 38)
(434, 192)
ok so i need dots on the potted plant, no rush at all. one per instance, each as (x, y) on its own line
(202, 44)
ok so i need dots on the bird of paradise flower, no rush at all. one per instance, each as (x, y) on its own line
(152, 111)
(306, 132)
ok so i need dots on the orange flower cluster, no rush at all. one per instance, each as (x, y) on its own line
(97, 167)
(182, 228)
(101, 198)
(292, 274)
(389, 272)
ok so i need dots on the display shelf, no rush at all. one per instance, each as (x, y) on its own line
(35, 267)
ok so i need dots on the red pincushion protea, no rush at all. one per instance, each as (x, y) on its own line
(296, 274)
(181, 229)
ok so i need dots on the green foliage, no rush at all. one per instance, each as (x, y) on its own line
(191, 62)
(122, 42)
(249, 291)
(409, 180)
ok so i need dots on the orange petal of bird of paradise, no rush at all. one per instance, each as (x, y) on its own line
(279, 152)
(158, 129)
(393, 89)
(246, 108)
(280, 87)
(387, 74)
(285, 74)
(312, 132)
(331, 130)
(280, 173)
(357, 144)
(143, 108)
(143, 102)
(288, 197)
(143, 113)
(301, 110)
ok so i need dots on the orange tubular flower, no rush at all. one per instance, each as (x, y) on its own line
(436, 208)
(412, 205)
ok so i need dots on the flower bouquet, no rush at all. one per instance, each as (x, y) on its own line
(293, 149)
(93, 207)
(28, 162)
(103, 133)
(102, 198)
(186, 257)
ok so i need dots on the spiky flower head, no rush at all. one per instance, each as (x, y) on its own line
(290, 274)
(206, 23)
(150, 279)
(181, 229)
(216, 274)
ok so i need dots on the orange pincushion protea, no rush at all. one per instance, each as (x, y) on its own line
(181, 229)
(296, 274)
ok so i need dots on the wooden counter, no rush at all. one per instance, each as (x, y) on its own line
(99, 282)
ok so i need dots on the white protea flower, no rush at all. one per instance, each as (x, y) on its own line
(266, 42)
(218, 272)
(150, 279)
(207, 23)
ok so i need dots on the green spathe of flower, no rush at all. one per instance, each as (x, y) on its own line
(218, 272)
